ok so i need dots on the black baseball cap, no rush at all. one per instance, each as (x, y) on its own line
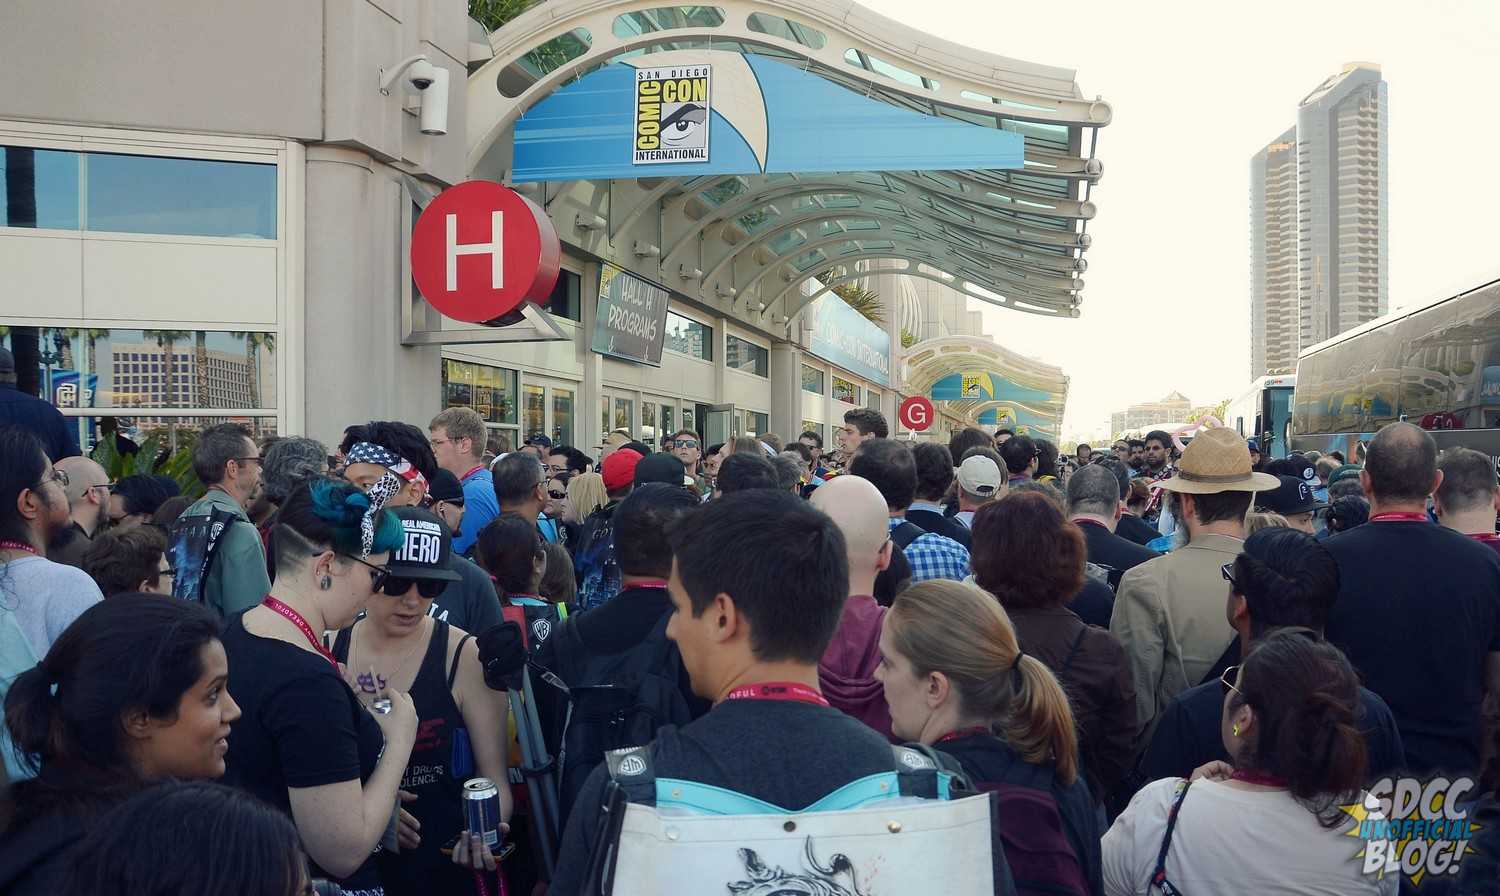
(539, 439)
(445, 487)
(1294, 495)
(426, 550)
(660, 467)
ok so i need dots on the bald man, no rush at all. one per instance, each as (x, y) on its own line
(88, 509)
(847, 671)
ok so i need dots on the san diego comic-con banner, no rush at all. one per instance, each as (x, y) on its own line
(671, 114)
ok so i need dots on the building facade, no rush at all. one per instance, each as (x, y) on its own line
(1341, 225)
(1174, 408)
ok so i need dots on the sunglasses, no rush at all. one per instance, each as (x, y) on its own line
(559, 495)
(1227, 571)
(687, 443)
(1227, 680)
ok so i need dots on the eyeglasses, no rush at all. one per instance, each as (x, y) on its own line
(1227, 571)
(246, 460)
(58, 476)
(378, 574)
(1233, 672)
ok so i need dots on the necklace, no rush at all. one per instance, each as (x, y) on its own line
(23, 547)
(395, 668)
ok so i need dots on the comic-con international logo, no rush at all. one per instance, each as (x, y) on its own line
(1414, 827)
(671, 114)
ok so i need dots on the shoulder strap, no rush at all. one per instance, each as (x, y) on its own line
(341, 642)
(906, 533)
(929, 774)
(453, 668)
(1159, 876)
(630, 769)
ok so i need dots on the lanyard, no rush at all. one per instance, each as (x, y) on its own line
(1264, 779)
(465, 477)
(777, 690)
(963, 732)
(8, 545)
(1405, 516)
(296, 619)
(1085, 521)
(649, 583)
(1486, 537)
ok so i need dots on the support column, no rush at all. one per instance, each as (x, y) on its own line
(786, 390)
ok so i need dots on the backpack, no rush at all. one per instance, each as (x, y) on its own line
(192, 543)
(917, 828)
(599, 575)
(614, 701)
(1037, 847)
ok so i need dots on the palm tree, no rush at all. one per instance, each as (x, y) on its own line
(167, 340)
(200, 365)
(865, 301)
(254, 341)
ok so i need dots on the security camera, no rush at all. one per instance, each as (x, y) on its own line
(421, 74)
(433, 119)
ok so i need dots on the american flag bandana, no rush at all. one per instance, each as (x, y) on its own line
(398, 472)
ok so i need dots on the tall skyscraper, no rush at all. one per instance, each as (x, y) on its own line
(1341, 225)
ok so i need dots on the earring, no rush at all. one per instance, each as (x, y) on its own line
(1235, 729)
(327, 582)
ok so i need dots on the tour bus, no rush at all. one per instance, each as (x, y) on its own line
(1437, 366)
(1264, 413)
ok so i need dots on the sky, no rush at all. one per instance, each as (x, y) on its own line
(1196, 89)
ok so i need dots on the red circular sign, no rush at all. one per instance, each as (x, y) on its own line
(479, 250)
(917, 413)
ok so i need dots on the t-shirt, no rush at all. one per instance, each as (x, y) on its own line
(789, 754)
(480, 507)
(46, 597)
(1230, 840)
(302, 727)
(1188, 734)
(1416, 596)
(470, 603)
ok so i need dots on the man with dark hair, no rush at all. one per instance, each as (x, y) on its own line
(129, 561)
(814, 444)
(1121, 450)
(745, 470)
(1469, 496)
(964, 439)
(934, 477)
(1158, 456)
(565, 459)
(1130, 527)
(1169, 611)
(751, 638)
(135, 499)
(1002, 436)
(688, 448)
(1020, 455)
(1282, 578)
(860, 426)
(228, 462)
(41, 418)
(1084, 453)
(890, 467)
(521, 487)
(1423, 594)
(1137, 455)
(1095, 506)
(459, 438)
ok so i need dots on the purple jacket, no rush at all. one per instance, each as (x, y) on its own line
(847, 671)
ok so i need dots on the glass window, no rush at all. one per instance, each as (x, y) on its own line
(533, 411)
(787, 30)
(46, 180)
(688, 337)
(625, 415)
(756, 423)
(564, 299)
(872, 399)
(542, 59)
(812, 380)
(192, 197)
(667, 18)
(666, 428)
(604, 420)
(746, 356)
(562, 416)
(845, 391)
(490, 391)
(688, 419)
(814, 426)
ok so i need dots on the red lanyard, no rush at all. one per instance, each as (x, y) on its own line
(964, 732)
(777, 690)
(1405, 516)
(1085, 521)
(1264, 779)
(1486, 537)
(296, 619)
(649, 583)
(8, 545)
(465, 477)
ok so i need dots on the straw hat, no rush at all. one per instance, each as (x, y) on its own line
(1217, 460)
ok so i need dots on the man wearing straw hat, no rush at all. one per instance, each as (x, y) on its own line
(1169, 611)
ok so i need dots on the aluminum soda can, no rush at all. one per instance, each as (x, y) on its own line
(482, 810)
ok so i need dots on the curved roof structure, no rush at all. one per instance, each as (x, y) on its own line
(752, 244)
(983, 382)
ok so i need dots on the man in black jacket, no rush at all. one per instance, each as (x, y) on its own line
(934, 478)
(1094, 506)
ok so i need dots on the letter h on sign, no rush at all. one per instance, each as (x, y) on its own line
(493, 248)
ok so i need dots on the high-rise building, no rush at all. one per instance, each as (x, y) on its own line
(1341, 225)
(1274, 321)
(1175, 408)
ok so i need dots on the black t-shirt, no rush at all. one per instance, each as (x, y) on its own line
(786, 753)
(1133, 528)
(302, 727)
(1418, 611)
(470, 603)
(1188, 734)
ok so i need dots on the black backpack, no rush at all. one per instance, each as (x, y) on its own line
(614, 701)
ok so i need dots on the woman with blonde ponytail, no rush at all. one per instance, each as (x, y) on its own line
(956, 679)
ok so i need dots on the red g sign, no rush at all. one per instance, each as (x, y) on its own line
(916, 413)
(479, 250)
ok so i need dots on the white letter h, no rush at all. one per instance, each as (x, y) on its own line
(492, 249)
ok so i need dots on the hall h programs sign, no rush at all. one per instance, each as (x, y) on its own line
(631, 319)
(671, 114)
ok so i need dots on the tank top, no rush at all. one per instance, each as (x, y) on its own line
(432, 774)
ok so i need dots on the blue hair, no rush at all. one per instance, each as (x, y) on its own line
(328, 511)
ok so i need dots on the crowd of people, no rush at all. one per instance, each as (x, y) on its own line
(1164, 667)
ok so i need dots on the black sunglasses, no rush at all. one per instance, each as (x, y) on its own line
(378, 574)
(557, 495)
(1227, 570)
(398, 586)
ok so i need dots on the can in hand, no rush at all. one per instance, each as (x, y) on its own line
(482, 810)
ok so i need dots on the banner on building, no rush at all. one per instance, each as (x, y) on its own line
(631, 319)
(671, 114)
(843, 336)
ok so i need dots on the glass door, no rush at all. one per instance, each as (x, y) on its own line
(547, 407)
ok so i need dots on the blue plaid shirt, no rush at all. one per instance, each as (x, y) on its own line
(935, 556)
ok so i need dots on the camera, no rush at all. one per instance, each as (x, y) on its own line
(422, 74)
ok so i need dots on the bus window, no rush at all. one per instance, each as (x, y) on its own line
(1239, 426)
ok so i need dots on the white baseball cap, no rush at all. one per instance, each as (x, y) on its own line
(979, 475)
